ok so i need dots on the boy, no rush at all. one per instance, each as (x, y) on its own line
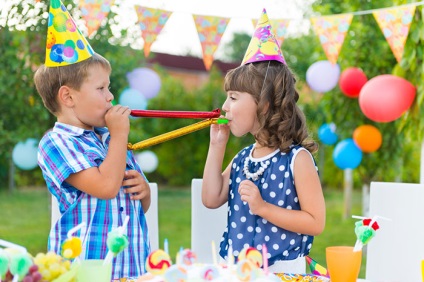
(85, 161)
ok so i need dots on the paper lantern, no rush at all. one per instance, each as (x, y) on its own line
(347, 154)
(368, 138)
(145, 80)
(132, 98)
(327, 133)
(385, 98)
(147, 160)
(24, 154)
(322, 76)
(351, 82)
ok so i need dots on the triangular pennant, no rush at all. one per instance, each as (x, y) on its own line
(332, 31)
(210, 30)
(65, 45)
(395, 23)
(151, 22)
(94, 12)
(279, 28)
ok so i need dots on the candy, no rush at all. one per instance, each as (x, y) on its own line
(246, 270)
(4, 263)
(187, 257)
(20, 264)
(251, 254)
(158, 262)
(209, 273)
(176, 273)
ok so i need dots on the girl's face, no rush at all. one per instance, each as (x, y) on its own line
(240, 109)
(93, 99)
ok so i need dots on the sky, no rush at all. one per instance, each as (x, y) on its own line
(179, 36)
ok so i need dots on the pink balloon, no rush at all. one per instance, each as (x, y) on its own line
(386, 97)
(351, 82)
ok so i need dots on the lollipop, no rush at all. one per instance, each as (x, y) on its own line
(209, 273)
(187, 257)
(72, 246)
(246, 270)
(158, 262)
(19, 265)
(251, 254)
(116, 241)
(176, 273)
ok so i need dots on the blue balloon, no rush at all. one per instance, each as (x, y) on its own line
(133, 98)
(24, 154)
(347, 154)
(327, 133)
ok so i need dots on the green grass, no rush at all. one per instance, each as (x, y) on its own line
(25, 220)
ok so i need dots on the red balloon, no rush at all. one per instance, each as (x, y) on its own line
(386, 97)
(351, 81)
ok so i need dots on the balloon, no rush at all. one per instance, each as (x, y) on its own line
(346, 154)
(147, 160)
(145, 80)
(351, 82)
(132, 98)
(327, 133)
(24, 154)
(368, 138)
(386, 97)
(322, 76)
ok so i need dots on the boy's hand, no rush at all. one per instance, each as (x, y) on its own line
(117, 120)
(136, 185)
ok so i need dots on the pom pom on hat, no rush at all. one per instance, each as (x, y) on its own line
(263, 46)
(65, 43)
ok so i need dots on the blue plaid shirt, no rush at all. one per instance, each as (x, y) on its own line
(69, 149)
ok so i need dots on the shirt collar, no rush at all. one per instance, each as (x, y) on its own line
(74, 130)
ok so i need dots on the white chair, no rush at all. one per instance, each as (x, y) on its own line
(207, 225)
(396, 251)
(151, 216)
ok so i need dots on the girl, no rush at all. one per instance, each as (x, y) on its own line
(272, 187)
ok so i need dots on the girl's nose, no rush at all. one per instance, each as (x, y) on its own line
(225, 106)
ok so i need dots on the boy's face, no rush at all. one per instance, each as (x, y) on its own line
(93, 99)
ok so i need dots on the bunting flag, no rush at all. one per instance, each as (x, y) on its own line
(210, 30)
(94, 12)
(151, 23)
(279, 28)
(332, 31)
(395, 23)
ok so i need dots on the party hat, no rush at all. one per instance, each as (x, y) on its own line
(316, 268)
(263, 46)
(65, 44)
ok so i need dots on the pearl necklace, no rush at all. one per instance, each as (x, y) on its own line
(255, 175)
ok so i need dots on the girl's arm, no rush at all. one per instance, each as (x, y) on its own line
(311, 218)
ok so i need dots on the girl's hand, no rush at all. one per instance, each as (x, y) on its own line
(219, 134)
(136, 185)
(249, 193)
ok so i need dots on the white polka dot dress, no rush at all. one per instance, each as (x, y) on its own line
(274, 178)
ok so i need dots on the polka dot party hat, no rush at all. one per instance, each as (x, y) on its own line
(263, 46)
(65, 44)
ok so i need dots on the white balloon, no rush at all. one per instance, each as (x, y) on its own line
(147, 160)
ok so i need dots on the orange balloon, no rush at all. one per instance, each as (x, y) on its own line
(368, 138)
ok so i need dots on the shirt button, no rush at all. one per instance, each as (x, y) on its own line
(121, 209)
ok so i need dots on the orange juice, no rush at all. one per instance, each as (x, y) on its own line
(343, 263)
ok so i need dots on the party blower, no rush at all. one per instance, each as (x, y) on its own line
(211, 117)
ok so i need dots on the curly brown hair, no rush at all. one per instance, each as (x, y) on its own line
(272, 85)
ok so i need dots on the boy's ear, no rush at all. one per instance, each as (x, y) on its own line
(65, 96)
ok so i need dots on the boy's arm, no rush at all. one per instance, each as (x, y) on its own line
(104, 181)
